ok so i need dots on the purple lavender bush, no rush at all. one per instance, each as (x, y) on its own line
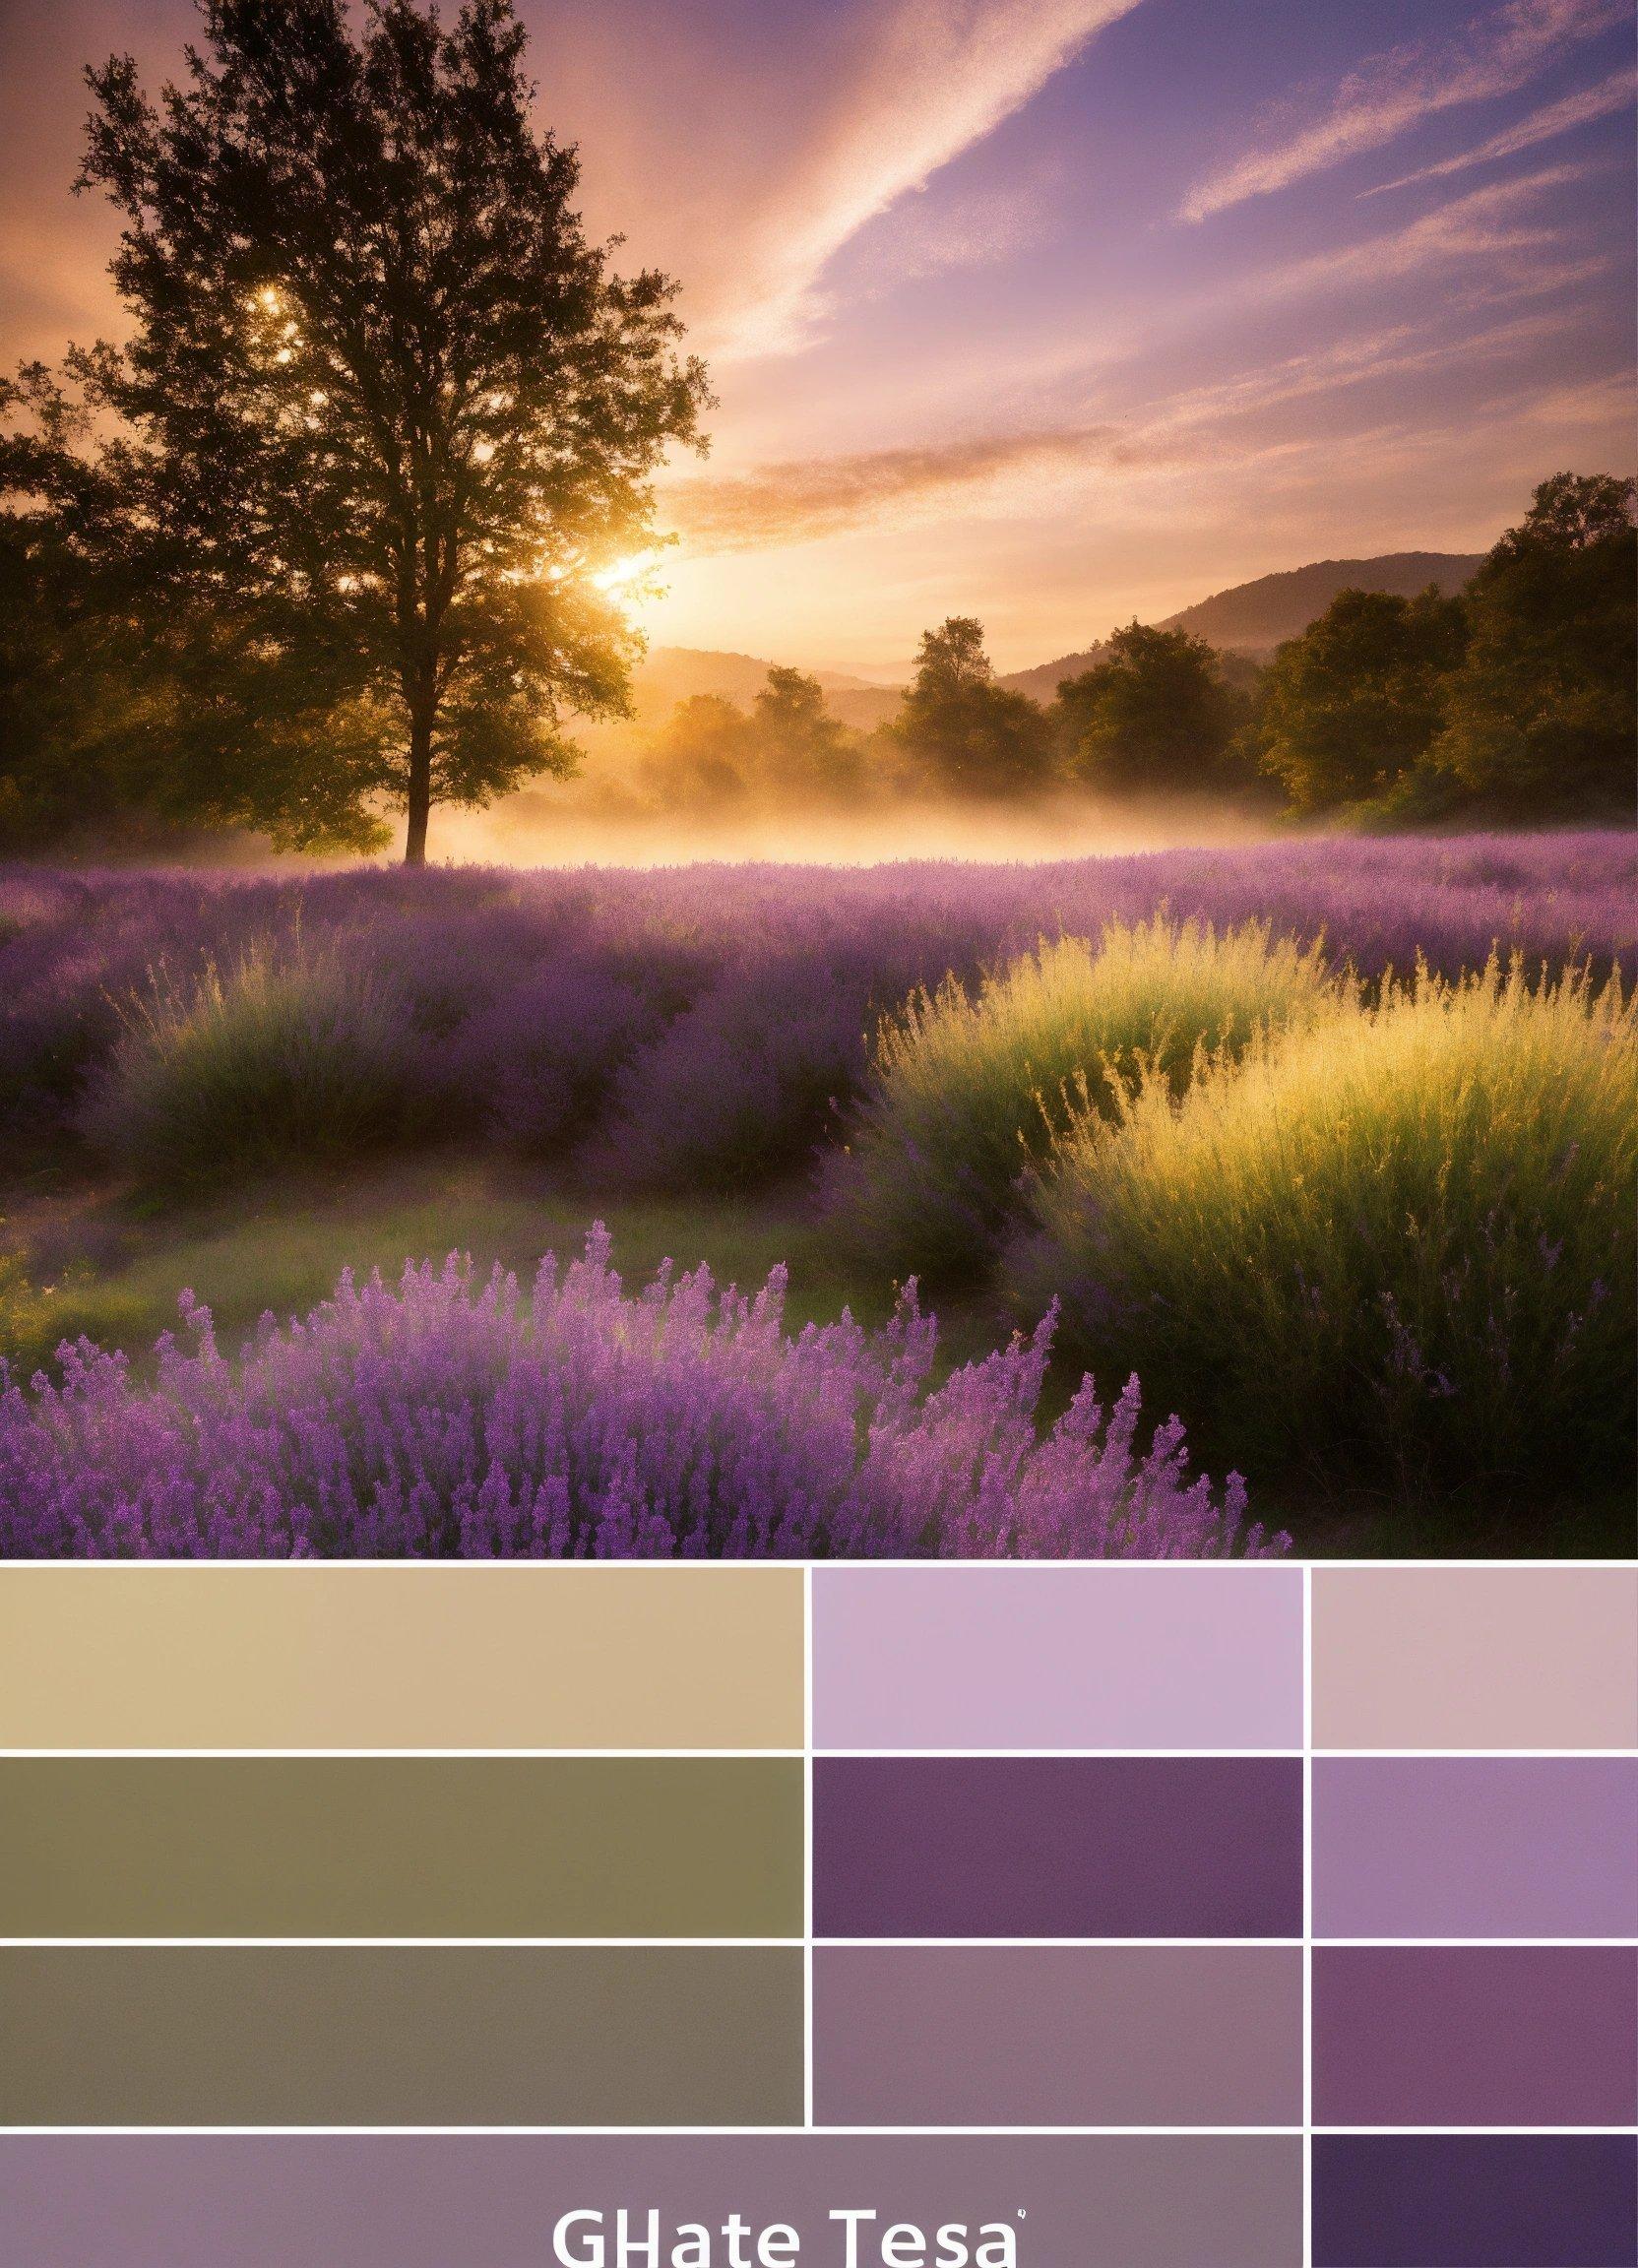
(453, 1416)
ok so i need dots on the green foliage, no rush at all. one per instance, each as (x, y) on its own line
(1542, 716)
(968, 1091)
(1155, 711)
(960, 731)
(1353, 705)
(1397, 1244)
(293, 1058)
(21, 1320)
(385, 414)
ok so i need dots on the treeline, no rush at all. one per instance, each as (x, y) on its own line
(1511, 701)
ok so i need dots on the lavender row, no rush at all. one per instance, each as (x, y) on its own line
(701, 1026)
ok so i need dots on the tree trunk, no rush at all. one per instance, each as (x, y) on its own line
(420, 785)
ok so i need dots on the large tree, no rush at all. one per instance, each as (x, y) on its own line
(961, 731)
(387, 421)
(1153, 711)
(1541, 717)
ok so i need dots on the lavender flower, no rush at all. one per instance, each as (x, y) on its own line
(454, 1416)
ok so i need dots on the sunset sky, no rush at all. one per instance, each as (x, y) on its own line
(1052, 311)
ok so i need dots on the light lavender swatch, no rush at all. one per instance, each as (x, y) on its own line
(1059, 1658)
(1475, 1847)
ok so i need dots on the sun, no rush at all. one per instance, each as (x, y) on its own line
(621, 574)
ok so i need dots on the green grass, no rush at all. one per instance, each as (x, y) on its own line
(117, 1266)
(1396, 1246)
(969, 1092)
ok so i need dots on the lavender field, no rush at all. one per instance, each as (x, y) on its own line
(182, 1051)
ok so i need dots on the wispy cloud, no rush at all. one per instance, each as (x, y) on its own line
(924, 81)
(1488, 225)
(803, 499)
(1579, 110)
(1496, 55)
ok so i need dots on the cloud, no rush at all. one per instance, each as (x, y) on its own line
(1580, 109)
(1495, 55)
(802, 499)
(1485, 224)
(919, 81)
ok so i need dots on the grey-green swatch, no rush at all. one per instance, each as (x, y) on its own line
(439, 2036)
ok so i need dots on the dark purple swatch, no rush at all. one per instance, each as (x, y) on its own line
(1475, 2201)
(1057, 1846)
(1476, 2036)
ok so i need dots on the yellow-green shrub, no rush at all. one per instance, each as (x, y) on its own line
(1400, 1239)
(966, 1091)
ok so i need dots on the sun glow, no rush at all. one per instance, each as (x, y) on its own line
(620, 574)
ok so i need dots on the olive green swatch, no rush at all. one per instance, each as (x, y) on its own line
(387, 2036)
(456, 1656)
(401, 1846)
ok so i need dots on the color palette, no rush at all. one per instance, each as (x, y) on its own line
(1122, 1906)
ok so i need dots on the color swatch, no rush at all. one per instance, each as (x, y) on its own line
(1476, 1656)
(450, 2201)
(401, 1846)
(1057, 1846)
(1475, 1847)
(459, 1655)
(1025, 1657)
(402, 2036)
(1059, 2036)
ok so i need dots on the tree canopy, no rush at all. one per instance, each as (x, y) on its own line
(1153, 711)
(1542, 715)
(961, 730)
(1352, 706)
(384, 433)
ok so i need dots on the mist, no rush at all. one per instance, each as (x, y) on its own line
(538, 828)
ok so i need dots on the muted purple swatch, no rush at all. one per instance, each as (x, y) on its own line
(1475, 2201)
(452, 2201)
(1475, 1847)
(1033, 1658)
(1059, 2036)
(1476, 2036)
(1057, 1846)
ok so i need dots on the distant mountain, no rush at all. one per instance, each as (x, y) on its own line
(1254, 617)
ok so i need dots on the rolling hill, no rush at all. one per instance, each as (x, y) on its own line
(1254, 617)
